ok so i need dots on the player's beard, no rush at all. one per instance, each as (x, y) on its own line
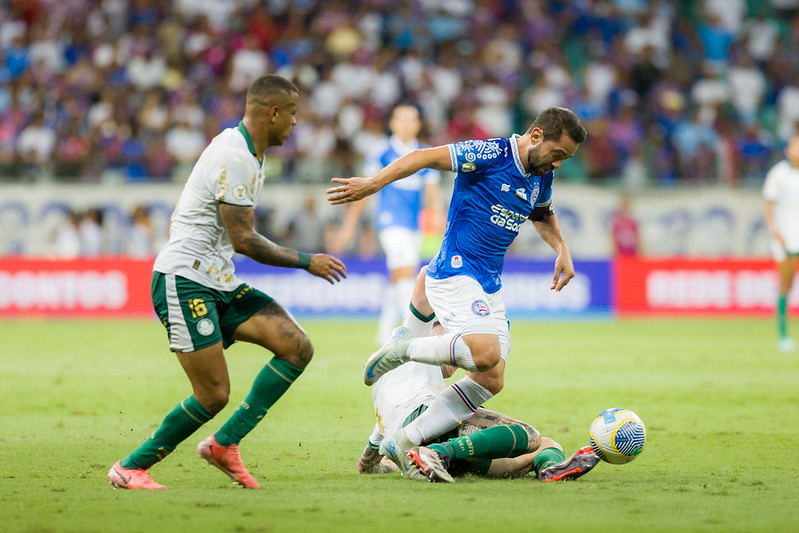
(535, 166)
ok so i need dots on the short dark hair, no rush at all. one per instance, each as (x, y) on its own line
(267, 88)
(554, 120)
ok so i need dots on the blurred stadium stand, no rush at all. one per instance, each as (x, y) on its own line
(687, 104)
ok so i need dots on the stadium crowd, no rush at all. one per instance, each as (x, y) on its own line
(672, 91)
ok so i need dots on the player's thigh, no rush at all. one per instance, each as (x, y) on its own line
(787, 270)
(275, 329)
(189, 312)
(402, 247)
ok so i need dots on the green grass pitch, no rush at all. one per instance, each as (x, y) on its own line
(720, 405)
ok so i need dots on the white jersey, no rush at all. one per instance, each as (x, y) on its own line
(199, 248)
(782, 188)
(400, 392)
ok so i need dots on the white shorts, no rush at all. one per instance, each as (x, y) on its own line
(781, 254)
(463, 307)
(402, 247)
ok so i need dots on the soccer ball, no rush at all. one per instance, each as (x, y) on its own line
(617, 435)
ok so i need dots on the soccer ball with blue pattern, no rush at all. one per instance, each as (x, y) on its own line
(617, 435)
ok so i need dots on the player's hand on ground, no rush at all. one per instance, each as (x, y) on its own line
(327, 267)
(564, 271)
(350, 190)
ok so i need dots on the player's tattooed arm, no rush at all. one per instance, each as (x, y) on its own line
(239, 222)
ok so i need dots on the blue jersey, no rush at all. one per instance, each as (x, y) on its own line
(399, 203)
(491, 199)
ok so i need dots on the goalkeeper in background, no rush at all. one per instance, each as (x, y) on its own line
(781, 212)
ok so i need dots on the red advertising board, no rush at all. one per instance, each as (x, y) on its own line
(77, 288)
(696, 286)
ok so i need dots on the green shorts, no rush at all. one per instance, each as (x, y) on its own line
(196, 316)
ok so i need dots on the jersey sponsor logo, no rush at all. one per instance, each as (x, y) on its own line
(240, 192)
(521, 193)
(205, 327)
(456, 261)
(480, 308)
(534, 195)
(505, 218)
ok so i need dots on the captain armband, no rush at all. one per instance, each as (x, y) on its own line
(541, 213)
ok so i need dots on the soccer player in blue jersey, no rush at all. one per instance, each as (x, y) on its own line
(500, 183)
(399, 206)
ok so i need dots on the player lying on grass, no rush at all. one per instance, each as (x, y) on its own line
(488, 443)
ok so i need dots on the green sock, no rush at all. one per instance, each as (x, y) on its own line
(183, 420)
(491, 443)
(272, 381)
(782, 315)
(547, 457)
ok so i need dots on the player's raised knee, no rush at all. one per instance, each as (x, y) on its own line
(303, 352)
(486, 355)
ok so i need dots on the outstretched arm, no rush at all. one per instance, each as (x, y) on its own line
(549, 229)
(239, 223)
(352, 189)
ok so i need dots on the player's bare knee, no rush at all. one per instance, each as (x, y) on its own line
(546, 442)
(485, 350)
(300, 353)
(214, 399)
(486, 361)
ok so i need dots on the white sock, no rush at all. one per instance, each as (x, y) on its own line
(403, 291)
(452, 406)
(418, 326)
(447, 349)
(388, 315)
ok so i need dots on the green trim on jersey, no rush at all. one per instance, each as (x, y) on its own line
(243, 129)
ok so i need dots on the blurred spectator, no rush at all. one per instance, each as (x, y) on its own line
(747, 87)
(91, 233)
(305, 230)
(695, 140)
(247, 63)
(788, 109)
(66, 239)
(71, 154)
(753, 151)
(35, 146)
(139, 242)
(184, 143)
(125, 71)
(624, 229)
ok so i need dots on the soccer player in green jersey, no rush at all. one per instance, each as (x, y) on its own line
(206, 308)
